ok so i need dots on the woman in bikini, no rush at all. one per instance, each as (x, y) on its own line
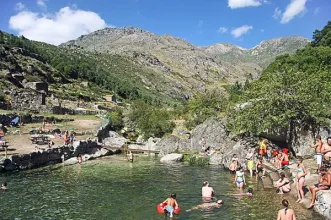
(301, 173)
(240, 178)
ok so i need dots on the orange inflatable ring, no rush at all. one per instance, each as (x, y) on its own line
(161, 208)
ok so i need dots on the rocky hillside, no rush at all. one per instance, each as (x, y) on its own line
(189, 66)
(193, 68)
(133, 63)
(262, 54)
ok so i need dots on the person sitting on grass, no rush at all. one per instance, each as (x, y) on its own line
(283, 185)
(324, 184)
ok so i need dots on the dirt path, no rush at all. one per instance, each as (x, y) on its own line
(21, 143)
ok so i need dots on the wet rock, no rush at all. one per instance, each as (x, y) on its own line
(10, 167)
(172, 158)
(306, 138)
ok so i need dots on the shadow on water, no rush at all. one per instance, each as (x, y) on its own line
(111, 188)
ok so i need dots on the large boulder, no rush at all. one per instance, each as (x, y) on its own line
(114, 140)
(306, 138)
(241, 148)
(171, 144)
(216, 135)
(172, 158)
(323, 206)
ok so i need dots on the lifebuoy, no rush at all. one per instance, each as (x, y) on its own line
(160, 208)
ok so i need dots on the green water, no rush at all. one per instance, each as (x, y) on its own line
(111, 188)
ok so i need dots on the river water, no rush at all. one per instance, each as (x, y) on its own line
(111, 188)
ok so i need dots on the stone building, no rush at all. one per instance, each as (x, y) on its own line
(37, 86)
(28, 100)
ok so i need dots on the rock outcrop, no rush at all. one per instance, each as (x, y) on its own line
(114, 140)
(172, 158)
(323, 204)
(215, 133)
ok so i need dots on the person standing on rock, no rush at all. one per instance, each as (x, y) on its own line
(203, 144)
(263, 148)
(324, 184)
(326, 149)
(300, 178)
(286, 213)
(250, 161)
(318, 152)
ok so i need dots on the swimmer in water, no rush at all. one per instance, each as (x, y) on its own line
(248, 193)
(171, 204)
(207, 206)
(4, 186)
(286, 213)
(207, 191)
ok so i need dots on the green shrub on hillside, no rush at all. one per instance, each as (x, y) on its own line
(116, 119)
(294, 91)
(203, 106)
(151, 121)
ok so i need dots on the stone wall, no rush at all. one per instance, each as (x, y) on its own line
(29, 100)
(52, 156)
(5, 119)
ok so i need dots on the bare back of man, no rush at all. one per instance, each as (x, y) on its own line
(286, 214)
(171, 202)
(207, 192)
(326, 149)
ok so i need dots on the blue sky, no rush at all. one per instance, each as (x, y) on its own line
(201, 22)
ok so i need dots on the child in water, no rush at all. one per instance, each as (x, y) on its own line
(171, 204)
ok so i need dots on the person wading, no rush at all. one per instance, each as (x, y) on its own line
(286, 213)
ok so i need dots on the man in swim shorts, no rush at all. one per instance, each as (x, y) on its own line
(318, 152)
(171, 204)
(207, 191)
(207, 206)
(324, 184)
(284, 160)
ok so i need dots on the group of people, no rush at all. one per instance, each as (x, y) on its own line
(207, 193)
(280, 158)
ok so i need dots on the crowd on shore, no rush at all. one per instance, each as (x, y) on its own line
(280, 158)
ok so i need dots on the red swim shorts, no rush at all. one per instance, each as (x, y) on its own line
(285, 162)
